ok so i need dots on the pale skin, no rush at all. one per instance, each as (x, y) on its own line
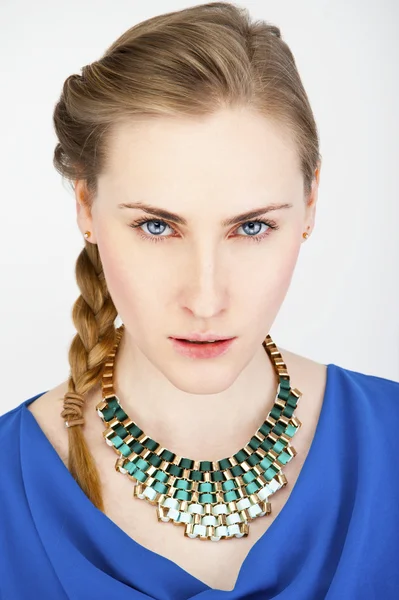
(202, 276)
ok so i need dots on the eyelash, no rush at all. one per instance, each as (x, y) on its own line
(152, 238)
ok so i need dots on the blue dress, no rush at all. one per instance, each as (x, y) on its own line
(337, 536)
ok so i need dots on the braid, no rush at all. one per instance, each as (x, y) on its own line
(93, 315)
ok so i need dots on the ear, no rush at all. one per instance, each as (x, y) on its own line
(84, 218)
(312, 200)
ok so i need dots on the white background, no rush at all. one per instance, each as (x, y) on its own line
(342, 306)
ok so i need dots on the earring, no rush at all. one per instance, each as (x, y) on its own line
(87, 234)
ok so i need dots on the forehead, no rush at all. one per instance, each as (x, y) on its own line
(236, 149)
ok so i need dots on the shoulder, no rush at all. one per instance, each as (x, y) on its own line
(368, 387)
(355, 381)
(9, 424)
(370, 402)
(49, 404)
(47, 410)
(358, 389)
(10, 421)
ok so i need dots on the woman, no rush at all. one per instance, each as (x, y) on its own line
(194, 131)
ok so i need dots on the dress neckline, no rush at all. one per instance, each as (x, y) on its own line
(292, 506)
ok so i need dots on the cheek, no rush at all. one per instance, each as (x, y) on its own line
(127, 279)
(272, 284)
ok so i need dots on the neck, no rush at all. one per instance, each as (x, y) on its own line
(200, 426)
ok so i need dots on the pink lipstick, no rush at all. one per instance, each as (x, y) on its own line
(202, 350)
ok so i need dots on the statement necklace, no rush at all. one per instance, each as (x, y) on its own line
(212, 500)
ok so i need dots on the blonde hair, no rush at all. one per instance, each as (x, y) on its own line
(191, 62)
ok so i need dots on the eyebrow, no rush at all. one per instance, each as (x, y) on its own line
(165, 214)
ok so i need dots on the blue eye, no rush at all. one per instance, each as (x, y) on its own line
(158, 238)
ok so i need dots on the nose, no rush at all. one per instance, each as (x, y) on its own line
(204, 287)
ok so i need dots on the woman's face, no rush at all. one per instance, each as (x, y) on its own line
(170, 279)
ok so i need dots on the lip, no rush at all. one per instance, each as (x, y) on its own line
(202, 337)
(210, 350)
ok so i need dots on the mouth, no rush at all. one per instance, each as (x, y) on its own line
(197, 349)
(214, 342)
